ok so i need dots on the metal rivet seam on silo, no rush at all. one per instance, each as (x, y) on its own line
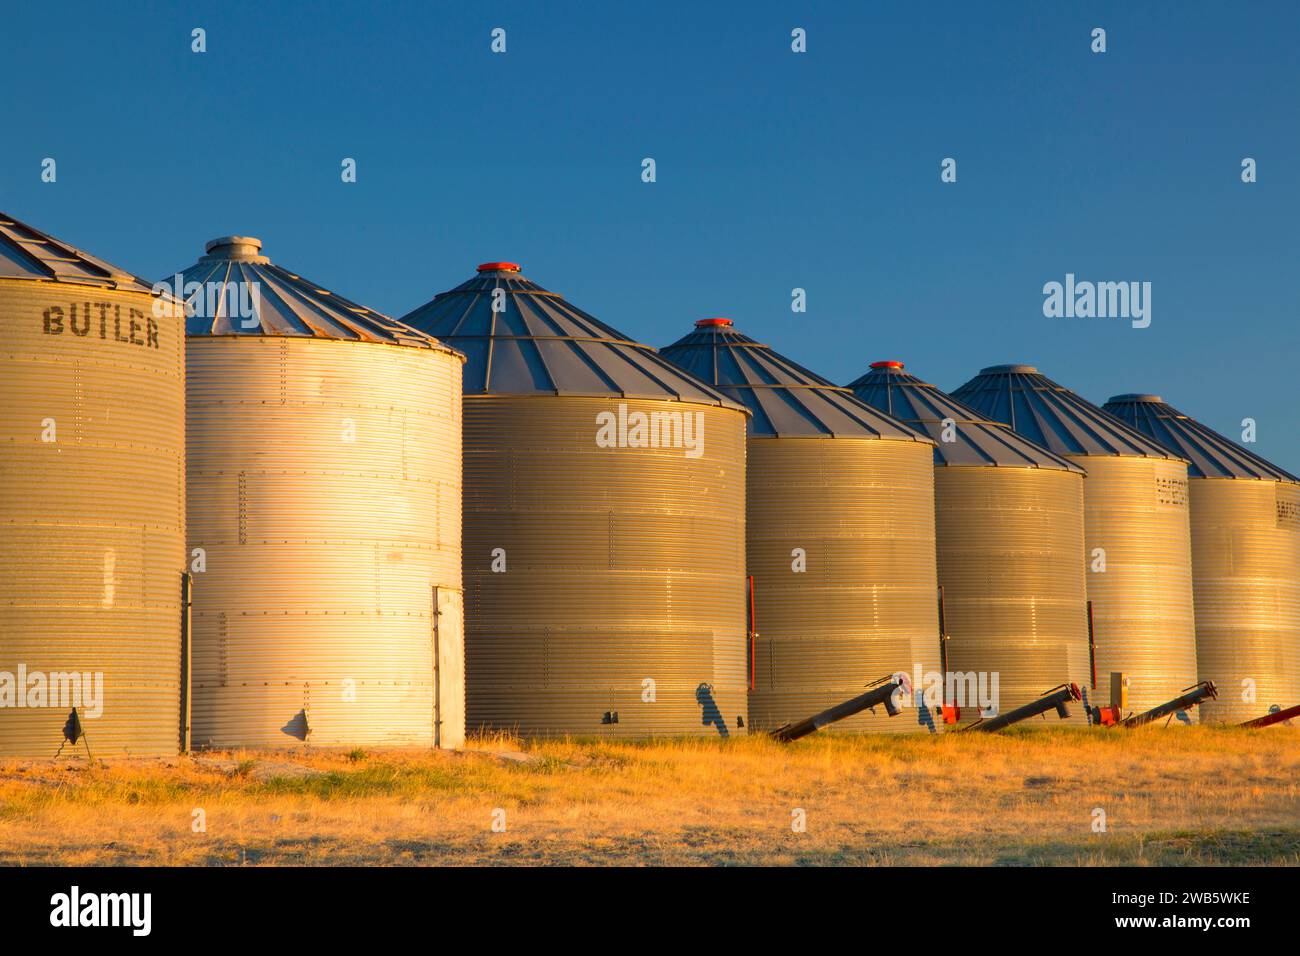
(1136, 528)
(604, 579)
(1245, 522)
(92, 517)
(324, 500)
(839, 536)
(1009, 521)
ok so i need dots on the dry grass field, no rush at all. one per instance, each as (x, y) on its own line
(1024, 797)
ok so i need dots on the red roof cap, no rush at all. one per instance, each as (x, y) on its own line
(712, 323)
(886, 364)
(499, 267)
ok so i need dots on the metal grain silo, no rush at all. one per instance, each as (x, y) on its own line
(604, 523)
(1245, 518)
(324, 451)
(92, 509)
(1009, 523)
(1136, 533)
(839, 535)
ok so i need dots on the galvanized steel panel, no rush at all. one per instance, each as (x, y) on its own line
(620, 577)
(92, 523)
(1010, 544)
(324, 492)
(839, 530)
(277, 302)
(520, 339)
(1010, 554)
(1136, 509)
(785, 399)
(862, 511)
(1053, 416)
(1245, 525)
(1209, 454)
(1246, 566)
(962, 436)
(28, 253)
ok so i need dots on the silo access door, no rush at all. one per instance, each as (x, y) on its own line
(448, 667)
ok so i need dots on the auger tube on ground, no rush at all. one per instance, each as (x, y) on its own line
(1057, 698)
(882, 692)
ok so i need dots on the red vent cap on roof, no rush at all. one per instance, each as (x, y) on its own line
(886, 364)
(499, 267)
(711, 323)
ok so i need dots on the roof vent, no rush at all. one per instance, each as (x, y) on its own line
(498, 267)
(886, 364)
(713, 323)
(233, 247)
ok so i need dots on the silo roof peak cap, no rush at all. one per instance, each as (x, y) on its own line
(233, 247)
(887, 364)
(1009, 369)
(713, 323)
(498, 267)
(1136, 397)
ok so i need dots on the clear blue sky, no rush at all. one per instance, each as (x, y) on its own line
(775, 170)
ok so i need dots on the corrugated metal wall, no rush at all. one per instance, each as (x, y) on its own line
(1136, 509)
(325, 489)
(1010, 550)
(1246, 561)
(92, 524)
(862, 511)
(623, 572)
(1010, 545)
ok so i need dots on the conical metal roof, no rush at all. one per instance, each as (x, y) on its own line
(787, 400)
(234, 275)
(1210, 455)
(978, 441)
(27, 253)
(1053, 416)
(520, 339)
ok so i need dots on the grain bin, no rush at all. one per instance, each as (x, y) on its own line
(604, 523)
(1245, 518)
(839, 535)
(1009, 521)
(92, 509)
(1135, 520)
(324, 514)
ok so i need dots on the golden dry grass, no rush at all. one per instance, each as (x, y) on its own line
(1171, 796)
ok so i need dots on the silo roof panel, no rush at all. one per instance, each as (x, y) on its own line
(28, 253)
(787, 400)
(1210, 454)
(519, 361)
(521, 339)
(1053, 416)
(234, 275)
(977, 440)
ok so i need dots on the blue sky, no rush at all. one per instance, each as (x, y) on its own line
(775, 170)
